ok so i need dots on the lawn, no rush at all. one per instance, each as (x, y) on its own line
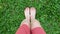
(12, 13)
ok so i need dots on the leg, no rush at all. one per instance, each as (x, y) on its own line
(27, 16)
(35, 24)
(25, 25)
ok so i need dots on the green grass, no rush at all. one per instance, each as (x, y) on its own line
(12, 13)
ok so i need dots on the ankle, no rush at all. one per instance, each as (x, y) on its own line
(32, 17)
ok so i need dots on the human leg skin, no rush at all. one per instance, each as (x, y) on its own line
(35, 24)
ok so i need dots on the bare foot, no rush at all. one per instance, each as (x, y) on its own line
(27, 15)
(32, 12)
